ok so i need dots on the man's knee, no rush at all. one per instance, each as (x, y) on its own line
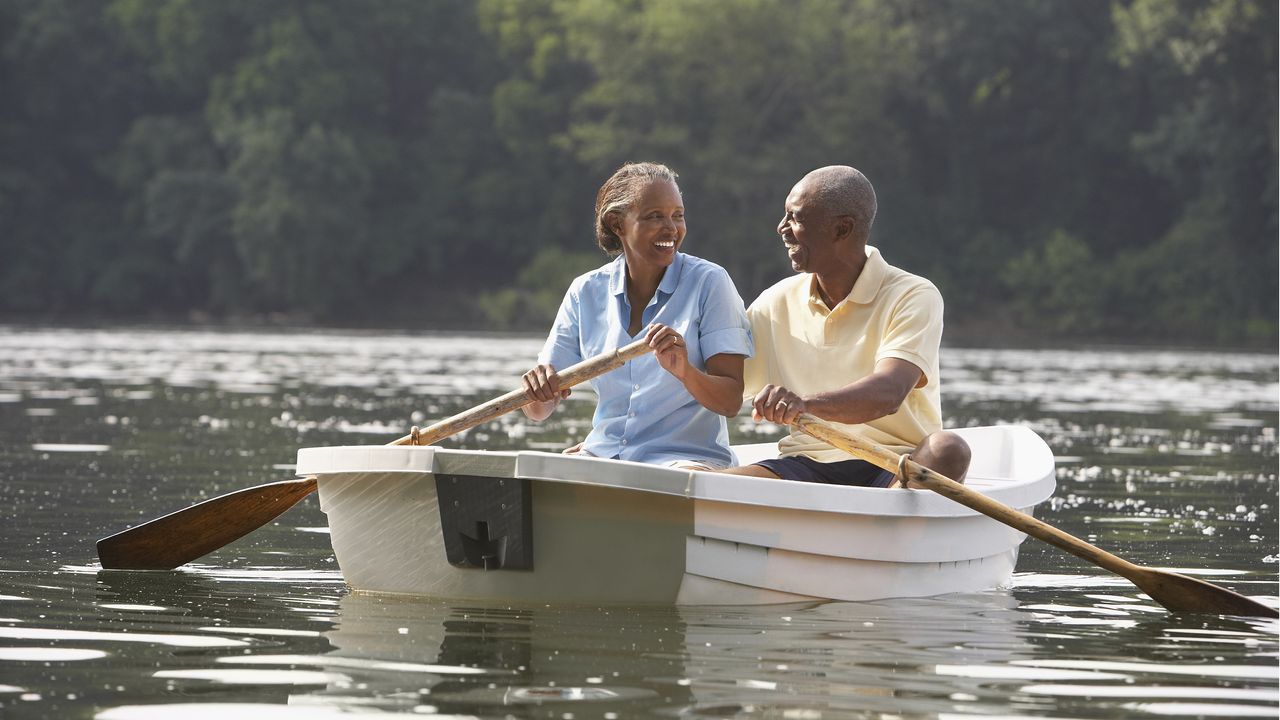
(946, 453)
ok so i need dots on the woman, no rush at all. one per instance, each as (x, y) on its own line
(668, 407)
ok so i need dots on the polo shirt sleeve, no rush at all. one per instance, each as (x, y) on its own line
(914, 331)
(723, 327)
(754, 370)
(564, 346)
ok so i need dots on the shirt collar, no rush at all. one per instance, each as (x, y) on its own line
(870, 279)
(670, 279)
(618, 275)
(865, 288)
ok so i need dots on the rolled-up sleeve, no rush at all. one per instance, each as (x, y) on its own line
(724, 327)
(564, 345)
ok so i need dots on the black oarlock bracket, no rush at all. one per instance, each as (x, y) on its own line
(486, 522)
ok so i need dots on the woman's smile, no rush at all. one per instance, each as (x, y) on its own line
(652, 231)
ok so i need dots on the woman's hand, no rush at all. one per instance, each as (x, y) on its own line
(718, 388)
(542, 383)
(669, 348)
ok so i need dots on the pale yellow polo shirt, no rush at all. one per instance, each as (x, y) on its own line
(804, 346)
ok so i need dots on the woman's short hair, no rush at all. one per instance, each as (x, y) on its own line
(619, 193)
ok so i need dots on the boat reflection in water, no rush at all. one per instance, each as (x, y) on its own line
(406, 652)
(212, 642)
(426, 656)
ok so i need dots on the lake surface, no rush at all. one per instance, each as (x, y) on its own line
(1167, 458)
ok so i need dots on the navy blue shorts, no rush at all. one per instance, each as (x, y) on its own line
(859, 473)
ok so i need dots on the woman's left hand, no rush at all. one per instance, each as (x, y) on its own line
(669, 348)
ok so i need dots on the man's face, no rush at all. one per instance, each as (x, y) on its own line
(805, 231)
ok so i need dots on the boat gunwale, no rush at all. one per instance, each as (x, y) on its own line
(695, 485)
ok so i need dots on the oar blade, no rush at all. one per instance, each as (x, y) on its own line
(1180, 593)
(182, 536)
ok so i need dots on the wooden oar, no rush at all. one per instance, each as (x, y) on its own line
(182, 536)
(1176, 592)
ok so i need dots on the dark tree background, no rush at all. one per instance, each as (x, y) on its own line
(1060, 168)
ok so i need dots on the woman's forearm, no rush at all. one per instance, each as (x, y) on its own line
(719, 389)
(539, 411)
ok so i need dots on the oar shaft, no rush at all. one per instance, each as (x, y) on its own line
(943, 485)
(1178, 593)
(516, 399)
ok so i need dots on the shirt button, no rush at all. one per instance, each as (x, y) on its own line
(624, 441)
(631, 414)
(635, 387)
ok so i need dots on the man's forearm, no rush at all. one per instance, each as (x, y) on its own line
(870, 398)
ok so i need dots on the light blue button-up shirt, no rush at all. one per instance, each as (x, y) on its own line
(644, 413)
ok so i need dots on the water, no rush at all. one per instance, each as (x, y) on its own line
(1167, 458)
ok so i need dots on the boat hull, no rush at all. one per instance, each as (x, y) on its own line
(603, 531)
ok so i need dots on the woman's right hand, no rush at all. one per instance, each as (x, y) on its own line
(542, 383)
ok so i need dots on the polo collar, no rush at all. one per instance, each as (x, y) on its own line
(865, 288)
(870, 279)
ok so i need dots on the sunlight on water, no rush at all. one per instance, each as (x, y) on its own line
(1167, 458)
(66, 447)
(1214, 670)
(357, 663)
(49, 655)
(256, 677)
(190, 641)
(221, 711)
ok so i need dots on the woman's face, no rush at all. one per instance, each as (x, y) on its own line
(653, 228)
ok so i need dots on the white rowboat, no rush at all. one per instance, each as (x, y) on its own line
(545, 527)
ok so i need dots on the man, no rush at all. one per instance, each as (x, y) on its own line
(851, 339)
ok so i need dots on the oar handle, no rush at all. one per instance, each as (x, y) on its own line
(570, 376)
(943, 485)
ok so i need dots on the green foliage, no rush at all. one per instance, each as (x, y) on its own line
(1086, 168)
(1193, 284)
(1057, 287)
(532, 302)
(300, 227)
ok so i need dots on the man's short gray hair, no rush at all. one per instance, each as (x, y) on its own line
(842, 190)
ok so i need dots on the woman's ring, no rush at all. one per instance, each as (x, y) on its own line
(782, 404)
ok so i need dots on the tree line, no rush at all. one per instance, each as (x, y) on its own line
(1068, 169)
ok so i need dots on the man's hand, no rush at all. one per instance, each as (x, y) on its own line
(777, 405)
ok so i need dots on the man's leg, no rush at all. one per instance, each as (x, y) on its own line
(945, 453)
(854, 473)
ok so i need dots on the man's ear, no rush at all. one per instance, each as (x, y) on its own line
(843, 227)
